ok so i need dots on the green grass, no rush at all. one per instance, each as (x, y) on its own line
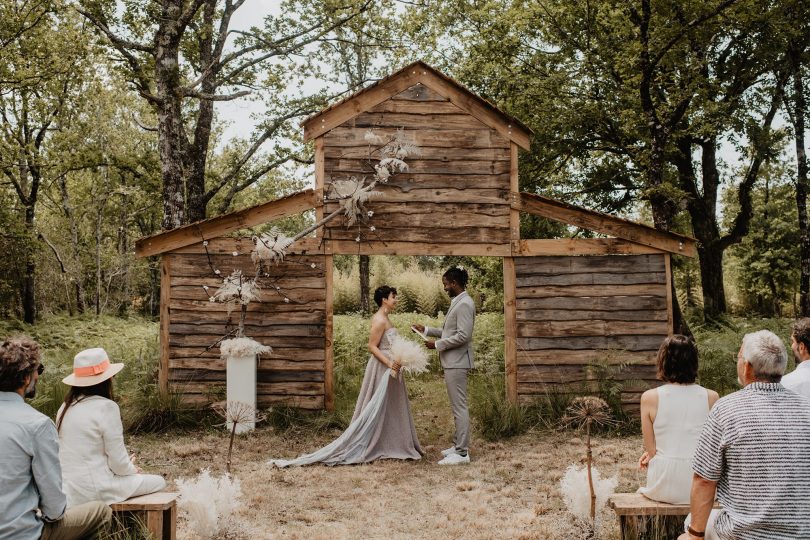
(134, 341)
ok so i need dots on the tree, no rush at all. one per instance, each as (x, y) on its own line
(45, 65)
(181, 56)
(619, 94)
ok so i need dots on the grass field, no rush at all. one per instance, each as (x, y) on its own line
(511, 489)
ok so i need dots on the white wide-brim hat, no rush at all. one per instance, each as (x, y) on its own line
(91, 366)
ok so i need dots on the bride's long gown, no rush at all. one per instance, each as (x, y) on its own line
(382, 425)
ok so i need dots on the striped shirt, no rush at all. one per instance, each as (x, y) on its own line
(756, 446)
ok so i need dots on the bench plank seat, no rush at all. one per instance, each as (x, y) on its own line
(159, 509)
(643, 518)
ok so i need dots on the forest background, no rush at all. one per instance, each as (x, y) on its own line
(689, 116)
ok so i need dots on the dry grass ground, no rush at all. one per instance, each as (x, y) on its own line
(510, 490)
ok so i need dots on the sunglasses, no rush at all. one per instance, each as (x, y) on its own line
(40, 369)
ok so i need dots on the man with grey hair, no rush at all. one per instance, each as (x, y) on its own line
(754, 454)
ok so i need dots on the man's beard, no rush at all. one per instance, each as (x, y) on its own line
(31, 391)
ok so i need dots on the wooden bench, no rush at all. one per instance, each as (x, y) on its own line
(158, 511)
(643, 518)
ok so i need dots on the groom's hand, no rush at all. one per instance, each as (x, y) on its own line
(430, 344)
(419, 327)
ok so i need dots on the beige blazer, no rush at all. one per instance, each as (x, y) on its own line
(95, 462)
(455, 343)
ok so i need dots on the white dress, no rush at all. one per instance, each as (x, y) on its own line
(95, 462)
(682, 411)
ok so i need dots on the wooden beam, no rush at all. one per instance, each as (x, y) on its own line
(510, 329)
(221, 225)
(607, 224)
(320, 179)
(375, 247)
(165, 302)
(583, 246)
(670, 316)
(329, 363)
(514, 213)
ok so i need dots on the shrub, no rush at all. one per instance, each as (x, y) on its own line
(496, 417)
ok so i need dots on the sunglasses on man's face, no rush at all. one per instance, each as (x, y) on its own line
(40, 369)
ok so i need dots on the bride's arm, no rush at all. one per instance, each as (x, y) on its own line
(374, 338)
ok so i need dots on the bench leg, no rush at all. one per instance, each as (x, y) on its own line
(170, 523)
(154, 523)
(623, 527)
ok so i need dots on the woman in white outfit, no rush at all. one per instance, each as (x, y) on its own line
(95, 462)
(672, 417)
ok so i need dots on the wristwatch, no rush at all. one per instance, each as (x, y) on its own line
(693, 532)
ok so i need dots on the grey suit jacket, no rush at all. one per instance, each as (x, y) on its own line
(455, 344)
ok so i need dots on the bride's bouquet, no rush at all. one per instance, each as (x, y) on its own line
(411, 356)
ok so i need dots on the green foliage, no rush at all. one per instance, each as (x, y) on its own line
(495, 417)
(765, 262)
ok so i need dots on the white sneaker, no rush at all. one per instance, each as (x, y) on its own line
(451, 450)
(455, 459)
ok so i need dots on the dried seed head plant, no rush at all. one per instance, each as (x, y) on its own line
(583, 413)
(236, 413)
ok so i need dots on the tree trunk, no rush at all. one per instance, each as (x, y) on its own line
(75, 254)
(197, 152)
(29, 303)
(364, 285)
(171, 136)
(798, 118)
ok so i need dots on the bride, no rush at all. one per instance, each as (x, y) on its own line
(382, 426)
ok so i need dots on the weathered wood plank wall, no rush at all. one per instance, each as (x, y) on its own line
(294, 373)
(575, 311)
(453, 200)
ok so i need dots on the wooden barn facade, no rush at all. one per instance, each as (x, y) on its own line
(569, 303)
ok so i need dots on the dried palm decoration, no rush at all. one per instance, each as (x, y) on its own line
(236, 289)
(271, 246)
(352, 194)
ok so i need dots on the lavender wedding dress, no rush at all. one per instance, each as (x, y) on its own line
(382, 426)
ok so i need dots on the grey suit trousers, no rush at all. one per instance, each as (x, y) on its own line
(456, 381)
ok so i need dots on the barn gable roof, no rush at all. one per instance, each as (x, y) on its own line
(399, 81)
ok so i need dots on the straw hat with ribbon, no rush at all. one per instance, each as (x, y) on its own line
(91, 366)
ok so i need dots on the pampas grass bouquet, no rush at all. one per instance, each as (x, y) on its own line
(411, 355)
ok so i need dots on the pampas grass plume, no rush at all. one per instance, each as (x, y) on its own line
(209, 502)
(575, 492)
(243, 347)
(412, 357)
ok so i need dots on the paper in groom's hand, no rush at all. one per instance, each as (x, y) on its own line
(418, 333)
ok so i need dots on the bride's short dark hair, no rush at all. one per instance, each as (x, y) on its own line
(383, 292)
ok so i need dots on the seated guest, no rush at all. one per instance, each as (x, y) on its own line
(799, 379)
(32, 504)
(754, 454)
(672, 417)
(95, 462)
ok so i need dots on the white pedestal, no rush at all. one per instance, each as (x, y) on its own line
(241, 392)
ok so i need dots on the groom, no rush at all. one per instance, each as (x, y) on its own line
(456, 355)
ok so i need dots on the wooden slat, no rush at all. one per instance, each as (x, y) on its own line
(412, 218)
(633, 388)
(419, 92)
(415, 107)
(415, 121)
(428, 154)
(199, 265)
(393, 194)
(162, 500)
(607, 224)
(290, 353)
(636, 504)
(279, 388)
(341, 167)
(205, 340)
(596, 303)
(222, 225)
(593, 278)
(265, 318)
(645, 289)
(286, 330)
(509, 322)
(262, 376)
(583, 246)
(630, 343)
(165, 311)
(428, 138)
(578, 373)
(329, 363)
(320, 179)
(525, 315)
(375, 247)
(591, 328)
(225, 246)
(268, 363)
(276, 306)
(602, 263)
(263, 400)
(295, 294)
(567, 356)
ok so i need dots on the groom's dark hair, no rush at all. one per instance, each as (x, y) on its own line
(383, 292)
(457, 275)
